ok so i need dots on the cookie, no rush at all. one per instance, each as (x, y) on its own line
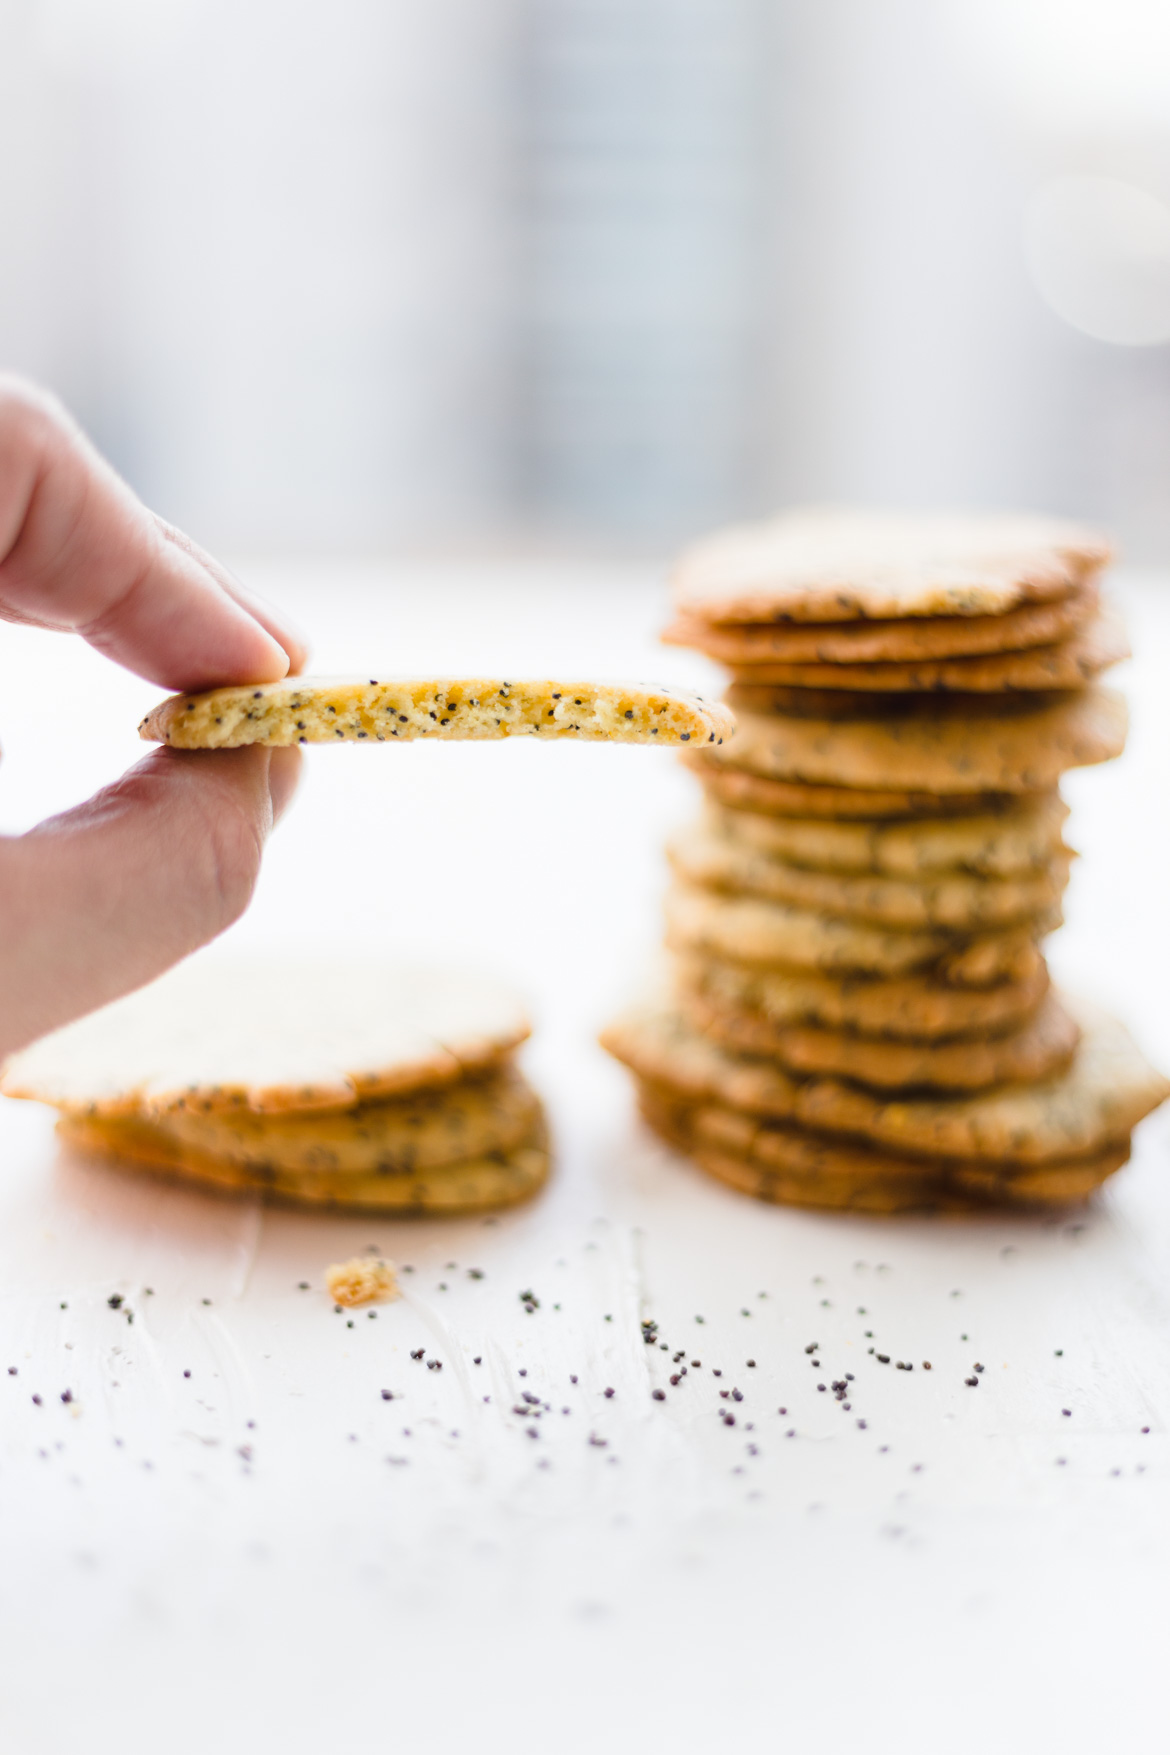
(928, 708)
(1069, 664)
(787, 1166)
(474, 1185)
(328, 710)
(828, 564)
(1011, 843)
(402, 1135)
(987, 752)
(1108, 1088)
(802, 1170)
(958, 901)
(748, 696)
(750, 930)
(886, 642)
(1105, 1091)
(1040, 1047)
(795, 798)
(1042, 1184)
(271, 1036)
(912, 1008)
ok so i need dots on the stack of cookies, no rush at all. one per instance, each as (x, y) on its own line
(860, 1013)
(366, 1088)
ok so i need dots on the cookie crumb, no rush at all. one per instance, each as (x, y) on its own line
(361, 1281)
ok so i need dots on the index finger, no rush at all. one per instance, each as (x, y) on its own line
(79, 552)
(276, 623)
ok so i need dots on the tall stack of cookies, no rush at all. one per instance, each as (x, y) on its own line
(860, 1012)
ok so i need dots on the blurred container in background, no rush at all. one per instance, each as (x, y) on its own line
(349, 275)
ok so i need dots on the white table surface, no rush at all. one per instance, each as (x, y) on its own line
(258, 1557)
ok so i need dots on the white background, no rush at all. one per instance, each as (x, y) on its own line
(351, 273)
(936, 1580)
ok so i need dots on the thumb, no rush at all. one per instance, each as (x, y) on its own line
(103, 898)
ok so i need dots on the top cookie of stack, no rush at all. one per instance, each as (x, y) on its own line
(859, 913)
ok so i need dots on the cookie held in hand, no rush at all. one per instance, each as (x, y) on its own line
(340, 709)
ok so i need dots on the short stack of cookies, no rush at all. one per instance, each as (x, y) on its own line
(364, 1088)
(859, 1012)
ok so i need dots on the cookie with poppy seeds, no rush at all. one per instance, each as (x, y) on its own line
(909, 641)
(753, 929)
(799, 1169)
(741, 790)
(909, 1008)
(272, 1035)
(470, 1185)
(331, 710)
(841, 565)
(424, 1130)
(1039, 1047)
(1022, 838)
(964, 902)
(1069, 663)
(932, 751)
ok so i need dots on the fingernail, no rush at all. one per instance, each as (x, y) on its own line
(284, 771)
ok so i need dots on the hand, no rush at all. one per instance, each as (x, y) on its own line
(98, 901)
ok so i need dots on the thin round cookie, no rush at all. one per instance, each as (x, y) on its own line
(1005, 844)
(859, 1193)
(830, 564)
(912, 1008)
(748, 929)
(990, 752)
(426, 1130)
(356, 710)
(1071, 663)
(1045, 1184)
(271, 1036)
(795, 798)
(473, 1185)
(1042, 1046)
(886, 642)
(958, 901)
(930, 708)
(804, 1172)
(763, 700)
(1107, 1089)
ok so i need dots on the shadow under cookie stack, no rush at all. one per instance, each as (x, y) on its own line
(860, 1013)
